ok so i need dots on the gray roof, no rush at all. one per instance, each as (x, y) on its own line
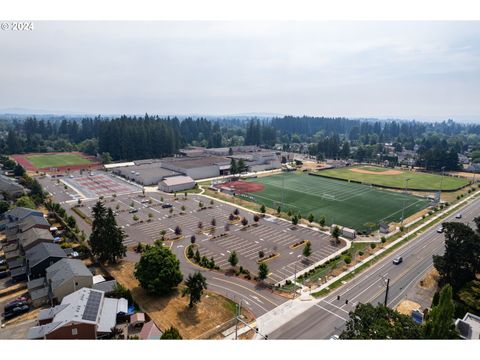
(30, 236)
(40, 293)
(106, 286)
(43, 251)
(177, 180)
(19, 213)
(9, 185)
(36, 283)
(191, 162)
(39, 332)
(16, 263)
(50, 313)
(31, 221)
(65, 270)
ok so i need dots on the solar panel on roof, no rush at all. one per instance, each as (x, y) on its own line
(91, 309)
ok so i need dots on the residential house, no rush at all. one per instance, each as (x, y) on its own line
(61, 279)
(469, 327)
(33, 237)
(40, 257)
(10, 187)
(84, 314)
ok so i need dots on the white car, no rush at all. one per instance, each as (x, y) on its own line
(334, 337)
(440, 230)
(458, 216)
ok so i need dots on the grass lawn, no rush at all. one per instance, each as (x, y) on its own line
(57, 160)
(348, 204)
(172, 310)
(396, 178)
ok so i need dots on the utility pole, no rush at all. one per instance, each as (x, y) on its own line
(386, 292)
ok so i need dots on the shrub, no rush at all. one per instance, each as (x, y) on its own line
(383, 239)
(373, 245)
(348, 259)
(360, 253)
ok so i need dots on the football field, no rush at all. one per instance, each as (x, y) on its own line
(348, 204)
(42, 161)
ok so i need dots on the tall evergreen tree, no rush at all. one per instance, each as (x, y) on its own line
(440, 321)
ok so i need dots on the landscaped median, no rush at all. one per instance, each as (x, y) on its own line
(402, 240)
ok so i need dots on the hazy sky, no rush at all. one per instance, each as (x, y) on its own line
(427, 70)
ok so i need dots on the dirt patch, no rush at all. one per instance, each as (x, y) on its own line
(462, 174)
(407, 306)
(240, 187)
(430, 280)
(31, 315)
(386, 172)
(172, 310)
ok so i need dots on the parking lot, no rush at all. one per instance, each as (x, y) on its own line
(86, 185)
(143, 218)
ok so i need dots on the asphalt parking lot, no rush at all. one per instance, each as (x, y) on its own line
(271, 236)
(87, 185)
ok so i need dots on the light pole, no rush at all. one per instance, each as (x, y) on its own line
(387, 285)
(404, 200)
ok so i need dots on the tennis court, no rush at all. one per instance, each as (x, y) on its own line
(348, 204)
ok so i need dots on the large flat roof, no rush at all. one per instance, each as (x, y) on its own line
(191, 163)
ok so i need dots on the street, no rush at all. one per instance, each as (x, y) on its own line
(328, 316)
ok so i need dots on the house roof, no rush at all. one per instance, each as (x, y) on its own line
(9, 185)
(106, 286)
(31, 221)
(150, 331)
(30, 236)
(66, 270)
(87, 306)
(43, 251)
(19, 213)
(137, 318)
(39, 332)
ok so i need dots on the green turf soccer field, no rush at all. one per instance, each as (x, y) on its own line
(418, 180)
(57, 160)
(348, 204)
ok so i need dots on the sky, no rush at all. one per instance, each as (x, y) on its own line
(409, 70)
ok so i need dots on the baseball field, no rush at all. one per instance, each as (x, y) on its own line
(395, 178)
(348, 204)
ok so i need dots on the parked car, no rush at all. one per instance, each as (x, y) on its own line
(12, 305)
(3, 261)
(144, 201)
(4, 274)
(133, 211)
(398, 260)
(18, 300)
(165, 206)
(440, 229)
(458, 216)
(16, 311)
(334, 337)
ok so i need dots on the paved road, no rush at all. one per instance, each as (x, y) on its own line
(328, 316)
(256, 298)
